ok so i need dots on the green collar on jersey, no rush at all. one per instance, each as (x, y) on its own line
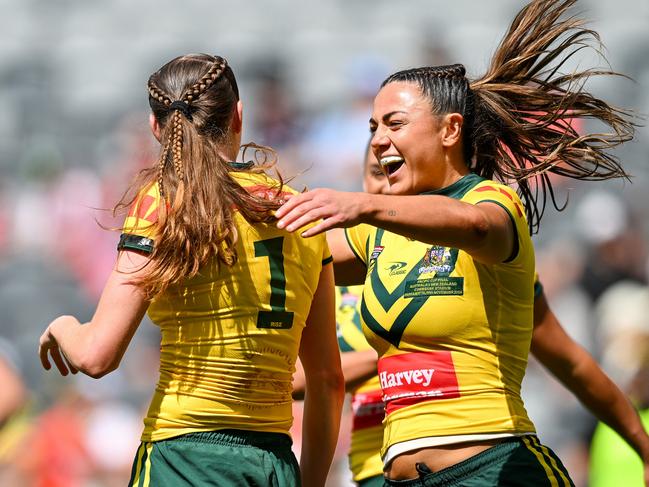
(241, 166)
(459, 188)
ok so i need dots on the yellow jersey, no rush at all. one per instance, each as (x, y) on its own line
(231, 334)
(452, 334)
(368, 408)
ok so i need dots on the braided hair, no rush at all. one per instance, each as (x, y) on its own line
(194, 98)
(517, 116)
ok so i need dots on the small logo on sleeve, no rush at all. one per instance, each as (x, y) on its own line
(410, 378)
(376, 252)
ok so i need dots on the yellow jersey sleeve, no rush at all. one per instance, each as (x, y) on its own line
(358, 239)
(139, 229)
(507, 199)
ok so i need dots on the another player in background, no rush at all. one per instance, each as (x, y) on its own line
(236, 300)
(453, 333)
(568, 361)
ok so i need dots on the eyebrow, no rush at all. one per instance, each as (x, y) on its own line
(387, 116)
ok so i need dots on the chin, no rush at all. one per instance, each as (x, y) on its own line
(399, 189)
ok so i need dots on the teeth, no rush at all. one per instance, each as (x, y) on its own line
(389, 160)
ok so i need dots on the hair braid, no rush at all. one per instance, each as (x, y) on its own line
(203, 84)
(194, 99)
(157, 94)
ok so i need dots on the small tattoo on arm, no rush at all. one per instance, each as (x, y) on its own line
(392, 212)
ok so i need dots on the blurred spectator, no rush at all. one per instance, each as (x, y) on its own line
(336, 139)
(617, 247)
(54, 453)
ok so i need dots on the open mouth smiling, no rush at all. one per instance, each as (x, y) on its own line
(391, 164)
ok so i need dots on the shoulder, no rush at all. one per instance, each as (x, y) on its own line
(492, 191)
(261, 184)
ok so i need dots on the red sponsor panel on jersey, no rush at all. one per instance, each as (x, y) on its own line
(368, 408)
(409, 378)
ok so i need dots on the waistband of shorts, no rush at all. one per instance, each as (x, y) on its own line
(466, 467)
(479, 461)
(259, 439)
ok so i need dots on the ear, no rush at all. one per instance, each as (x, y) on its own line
(237, 118)
(155, 126)
(452, 129)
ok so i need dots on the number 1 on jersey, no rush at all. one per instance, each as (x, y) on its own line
(278, 317)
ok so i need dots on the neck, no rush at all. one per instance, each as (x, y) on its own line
(454, 169)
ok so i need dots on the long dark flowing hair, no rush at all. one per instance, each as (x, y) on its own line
(517, 116)
(193, 98)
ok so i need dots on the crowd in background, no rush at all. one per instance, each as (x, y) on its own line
(73, 132)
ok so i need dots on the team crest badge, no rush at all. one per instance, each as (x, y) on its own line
(436, 259)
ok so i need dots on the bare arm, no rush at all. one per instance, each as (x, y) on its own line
(323, 382)
(581, 374)
(483, 230)
(96, 348)
(357, 367)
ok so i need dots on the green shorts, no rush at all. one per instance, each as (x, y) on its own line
(376, 481)
(516, 462)
(218, 458)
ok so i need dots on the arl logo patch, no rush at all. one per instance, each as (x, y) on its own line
(437, 259)
(410, 378)
(397, 268)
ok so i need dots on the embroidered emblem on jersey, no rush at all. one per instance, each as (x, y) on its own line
(436, 259)
(397, 268)
(368, 408)
(410, 378)
(441, 261)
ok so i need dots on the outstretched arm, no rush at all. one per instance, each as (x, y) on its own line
(483, 230)
(96, 348)
(581, 374)
(324, 384)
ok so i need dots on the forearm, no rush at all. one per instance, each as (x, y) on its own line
(358, 367)
(427, 218)
(320, 426)
(607, 402)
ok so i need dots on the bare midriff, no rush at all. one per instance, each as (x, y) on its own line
(435, 458)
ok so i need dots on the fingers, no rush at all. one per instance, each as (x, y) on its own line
(45, 361)
(58, 360)
(321, 227)
(71, 367)
(292, 202)
(309, 217)
(298, 216)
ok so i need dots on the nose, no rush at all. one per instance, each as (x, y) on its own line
(379, 142)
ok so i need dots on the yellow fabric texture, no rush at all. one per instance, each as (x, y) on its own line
(367, 403)
(218, 368)
(452, 334)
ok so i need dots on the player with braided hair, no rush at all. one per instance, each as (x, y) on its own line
(236, 299)
(447, 259)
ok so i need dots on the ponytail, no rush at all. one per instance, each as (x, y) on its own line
(193, 98)
(517, 117)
